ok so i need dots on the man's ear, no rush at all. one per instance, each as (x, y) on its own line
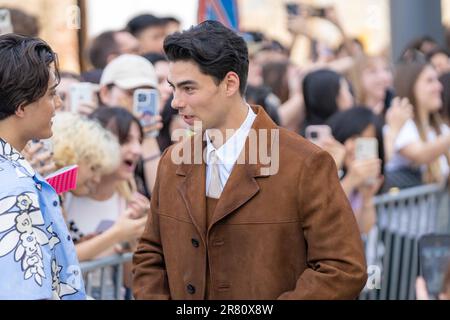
(232, 83)
(20, 111)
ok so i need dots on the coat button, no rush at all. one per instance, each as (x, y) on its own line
(190, 289)
(195, 243)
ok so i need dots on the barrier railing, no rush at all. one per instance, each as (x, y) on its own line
(392, 245)
(103, 278)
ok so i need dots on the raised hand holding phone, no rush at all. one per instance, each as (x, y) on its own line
(82, 98)
(366, 148)
(146, 109)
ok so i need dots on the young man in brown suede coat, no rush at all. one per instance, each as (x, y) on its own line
(243, 209)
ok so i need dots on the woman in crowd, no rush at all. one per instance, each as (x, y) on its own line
(371, 80)
(325, 93)
(362, 177)
(104, 221)
(421, 149)
(96, 151)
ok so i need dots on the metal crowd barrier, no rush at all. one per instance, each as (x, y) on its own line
(392, 245)
(103, 278)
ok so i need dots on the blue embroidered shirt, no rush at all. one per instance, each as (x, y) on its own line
(37, 255)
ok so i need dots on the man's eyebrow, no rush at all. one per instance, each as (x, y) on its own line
(183, 83)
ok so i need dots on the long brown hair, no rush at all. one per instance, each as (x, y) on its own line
(405, 79)
(355, 76)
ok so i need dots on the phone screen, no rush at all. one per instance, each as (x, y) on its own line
(104, 225)
(146, 105)
(81, 93)
(366, 148)
(434, 257)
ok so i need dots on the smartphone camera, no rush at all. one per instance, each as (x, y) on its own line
(146, 106)
(314, 135)
(292, 9)
(142, 98)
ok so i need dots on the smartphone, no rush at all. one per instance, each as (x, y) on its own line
(317, 133)
(146, 105)
(5, 22)
(104, 225)
(81, 93)
(434, 260)
(366, 149)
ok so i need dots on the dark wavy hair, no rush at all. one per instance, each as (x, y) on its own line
(24, 71)
(320, 90)
(216, 50)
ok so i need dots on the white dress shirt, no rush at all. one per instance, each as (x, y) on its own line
(229, 152)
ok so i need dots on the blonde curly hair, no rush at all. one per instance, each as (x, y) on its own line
(78, 139)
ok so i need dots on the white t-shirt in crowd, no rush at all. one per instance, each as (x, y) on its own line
(410, 134)
(87, 216)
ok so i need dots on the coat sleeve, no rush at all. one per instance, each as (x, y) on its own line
(150, 280)
(336, 267)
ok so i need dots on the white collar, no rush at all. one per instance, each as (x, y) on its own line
(229, 152)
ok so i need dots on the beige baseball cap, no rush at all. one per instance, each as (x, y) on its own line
(129, 71)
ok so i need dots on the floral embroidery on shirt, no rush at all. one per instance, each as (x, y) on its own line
(20, 218)
(22, 167)
(60, 289)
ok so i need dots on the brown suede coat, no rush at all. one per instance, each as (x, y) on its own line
(289, 235)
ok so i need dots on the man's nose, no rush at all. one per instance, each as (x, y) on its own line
(177, 103)
(58, 102)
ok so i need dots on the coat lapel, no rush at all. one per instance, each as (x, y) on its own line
(192, 186)
(242, 186)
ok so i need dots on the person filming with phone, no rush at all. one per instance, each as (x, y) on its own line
(130, 82)
(356, 129)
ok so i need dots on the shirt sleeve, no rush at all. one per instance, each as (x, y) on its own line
(25, 273)
(407, 135)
